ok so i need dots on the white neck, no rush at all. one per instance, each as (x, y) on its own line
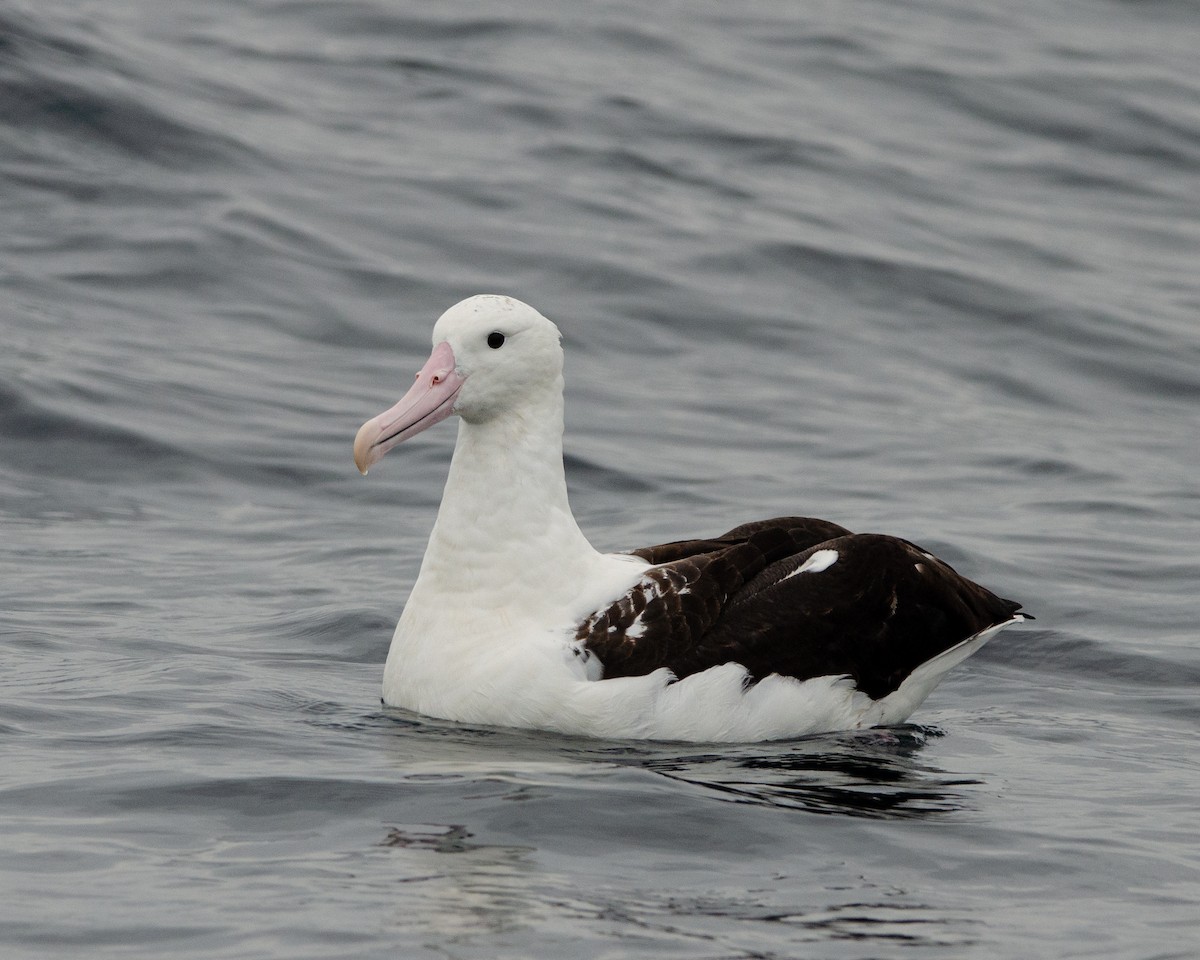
(505, 524)
(507, 575)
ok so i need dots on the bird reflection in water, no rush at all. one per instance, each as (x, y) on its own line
(870, 774)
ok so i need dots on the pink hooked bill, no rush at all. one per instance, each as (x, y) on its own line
(429, 401)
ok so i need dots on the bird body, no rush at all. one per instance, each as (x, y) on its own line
(775, 629)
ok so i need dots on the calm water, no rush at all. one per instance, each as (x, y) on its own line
(929, 268)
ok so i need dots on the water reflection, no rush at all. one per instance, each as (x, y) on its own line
(457, 889)
(438, 837)
(859, 911)
(478, 896)
(870, 774)
(873, 773)
(506, 835)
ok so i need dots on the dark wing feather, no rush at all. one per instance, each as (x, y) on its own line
(678, 601)
(784, 536)
(879, 611)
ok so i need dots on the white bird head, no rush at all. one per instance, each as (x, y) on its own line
(492, 356)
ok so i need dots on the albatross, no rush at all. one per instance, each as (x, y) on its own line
(776, 629)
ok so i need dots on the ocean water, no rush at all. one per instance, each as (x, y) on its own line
(925, 268)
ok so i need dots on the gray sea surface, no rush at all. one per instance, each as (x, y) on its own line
(918, 267)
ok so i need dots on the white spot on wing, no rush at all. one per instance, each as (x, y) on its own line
(819, 561)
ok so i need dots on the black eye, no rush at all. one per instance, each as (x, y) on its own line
(495, 340)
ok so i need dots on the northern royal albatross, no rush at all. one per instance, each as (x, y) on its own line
(778, 628)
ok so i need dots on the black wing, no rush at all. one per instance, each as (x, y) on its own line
(775, 539)
(873, 609)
